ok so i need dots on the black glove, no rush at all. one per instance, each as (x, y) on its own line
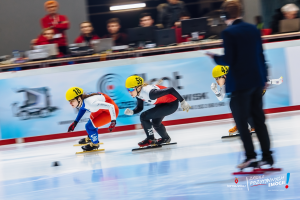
(72, 126)
(112, 125)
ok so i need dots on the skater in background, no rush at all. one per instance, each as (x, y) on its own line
(219, 73)
(246, 79)
(165, 101)
(103, 110)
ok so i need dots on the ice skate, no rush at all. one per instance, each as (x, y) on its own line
(163, 141)
(252, 130)
(266, 165)
(91, 147)
(84, 140)
(246, 164)
(147, 142)
(233, 131)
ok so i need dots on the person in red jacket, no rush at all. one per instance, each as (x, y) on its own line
(87, 33)
(113, 28)
(59, 23)
(47, 37)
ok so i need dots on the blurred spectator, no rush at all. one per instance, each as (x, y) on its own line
(259, 22)
(179, 37)
(47, 37)
(169, 13)
(59, 23)
(289, 11)
(113, 28)
(183, 16)
(87, 33)
(146, 20)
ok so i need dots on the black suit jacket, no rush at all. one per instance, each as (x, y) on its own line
(243, 53)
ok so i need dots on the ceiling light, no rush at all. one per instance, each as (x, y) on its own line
(128, 6)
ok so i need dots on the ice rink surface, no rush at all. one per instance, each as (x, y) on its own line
(198, 167)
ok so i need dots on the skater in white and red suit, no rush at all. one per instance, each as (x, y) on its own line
(165, 101)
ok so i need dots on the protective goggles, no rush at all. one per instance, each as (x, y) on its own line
(219, 77)
(130, 89)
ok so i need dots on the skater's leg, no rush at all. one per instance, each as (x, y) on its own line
(159, 127)
(250, 121)
(240, 107)
(92, 132)
(258, 116)
(157, 114)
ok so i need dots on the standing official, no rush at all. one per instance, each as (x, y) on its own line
(59, 23)
(246, 79)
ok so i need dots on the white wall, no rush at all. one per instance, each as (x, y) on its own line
(252, 8)
(20, 21)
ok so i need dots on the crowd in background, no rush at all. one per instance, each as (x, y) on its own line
(55, 25)
(170, 15)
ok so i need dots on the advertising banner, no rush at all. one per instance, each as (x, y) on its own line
(36, 105)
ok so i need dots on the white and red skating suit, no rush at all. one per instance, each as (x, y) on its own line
(156, 94)
(166, 103)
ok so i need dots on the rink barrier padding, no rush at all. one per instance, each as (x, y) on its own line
(137, 126)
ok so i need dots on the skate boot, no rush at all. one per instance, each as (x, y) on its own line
(233, 131)
(163, 140)
(91, 146)
(146, 142)
(84, 140)
(248, 163)
(266, 161)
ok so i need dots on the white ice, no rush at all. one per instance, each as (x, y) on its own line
(198, 167)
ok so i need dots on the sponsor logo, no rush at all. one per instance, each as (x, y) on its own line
(37, 103)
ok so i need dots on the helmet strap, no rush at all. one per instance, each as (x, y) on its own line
(79, 102)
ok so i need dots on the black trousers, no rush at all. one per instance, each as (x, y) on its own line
(157, 115)
(245, 104)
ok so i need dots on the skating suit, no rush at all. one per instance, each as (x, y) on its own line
(166, 103)
(103, 109)
(164, 97)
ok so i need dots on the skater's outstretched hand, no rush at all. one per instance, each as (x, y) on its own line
(185, 106)
(112, 125)
(128, 112)
(72, 126)
(214, 88)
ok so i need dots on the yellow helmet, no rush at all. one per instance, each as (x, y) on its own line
(73, 92)
(134, 81)
(219, 71)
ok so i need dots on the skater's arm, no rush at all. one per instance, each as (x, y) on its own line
(107, 106)
(154, 94)
(221, 94)
(139, 106)
(80, 114)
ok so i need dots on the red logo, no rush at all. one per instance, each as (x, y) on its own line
(236, 180)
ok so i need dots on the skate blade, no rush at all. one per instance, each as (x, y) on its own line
(246, 173)
(148, 147)
(230, 136)
(79, 145)
(163, 144)
(98, 150)
(269, 170)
